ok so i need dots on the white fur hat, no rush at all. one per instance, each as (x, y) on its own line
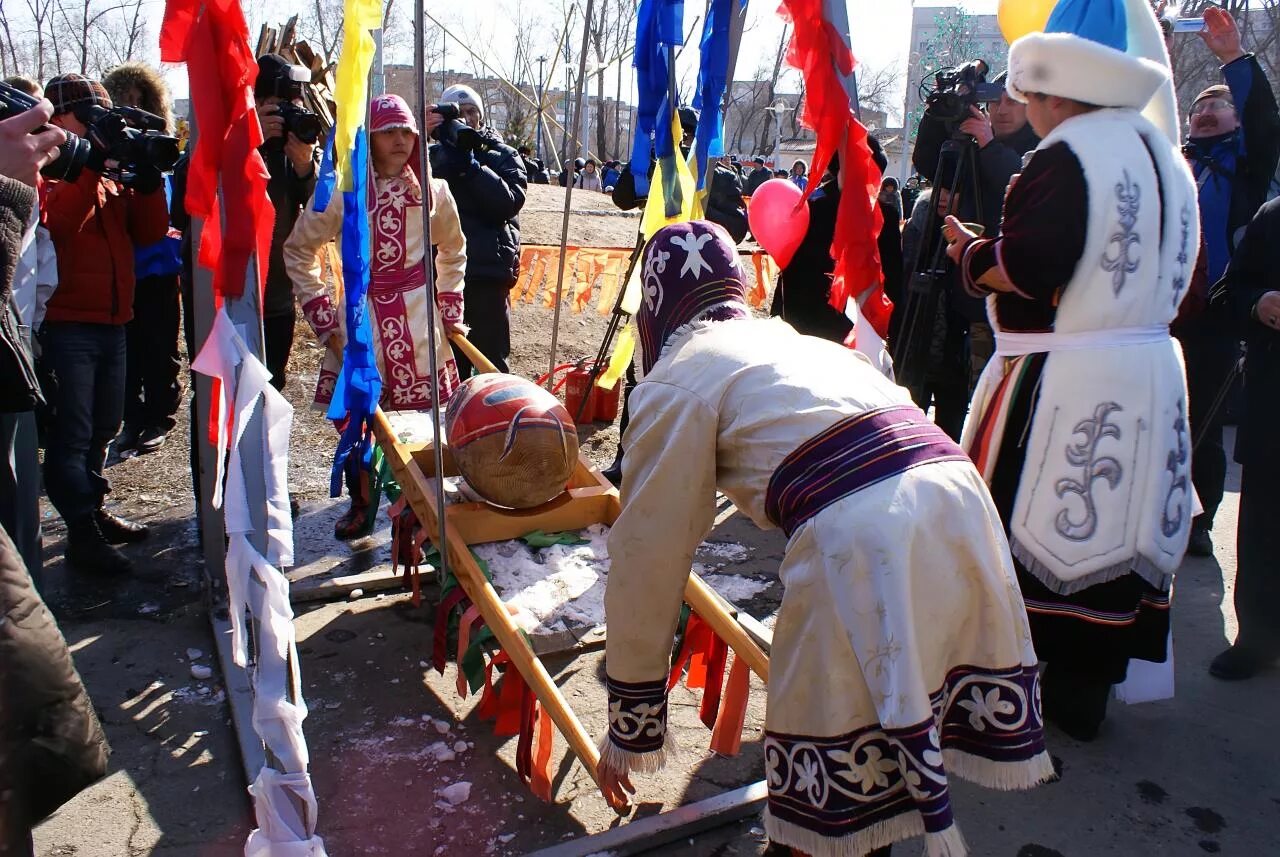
(1074, 67)
(460, 93)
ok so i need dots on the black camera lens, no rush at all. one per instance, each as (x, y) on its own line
(72, 156)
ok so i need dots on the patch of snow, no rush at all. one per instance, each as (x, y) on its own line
(731, 551)
(735, 588)
(200, 672)
(458, 793)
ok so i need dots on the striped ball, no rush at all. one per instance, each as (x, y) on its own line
(513, 442)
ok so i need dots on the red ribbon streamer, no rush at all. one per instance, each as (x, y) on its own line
(726, 737)
(439, 649)
(214, 43)
(818, 50)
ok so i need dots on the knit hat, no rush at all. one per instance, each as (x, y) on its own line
(690, 273)
(1083, 55)
(387, 112)
(1216, 91)
(70, 92)
(462, 94)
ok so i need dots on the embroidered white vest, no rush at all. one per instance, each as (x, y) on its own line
(1106, 485)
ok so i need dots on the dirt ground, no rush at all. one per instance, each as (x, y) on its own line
(1189, 776)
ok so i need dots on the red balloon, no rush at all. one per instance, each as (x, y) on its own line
(778, 218)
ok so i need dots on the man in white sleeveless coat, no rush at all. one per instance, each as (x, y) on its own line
(1080, 424)
(901, 656)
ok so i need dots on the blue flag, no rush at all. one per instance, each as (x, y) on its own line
(658, 25)
(713, 76)
(359, 387)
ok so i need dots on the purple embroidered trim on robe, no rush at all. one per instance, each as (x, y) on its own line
(839, 785)
(637, 714)
(853, 454)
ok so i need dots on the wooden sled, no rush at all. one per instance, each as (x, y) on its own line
(588, 499)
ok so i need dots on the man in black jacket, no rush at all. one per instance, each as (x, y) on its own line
(1233, 145)
(1249, 296)
(488, 182)
(291, 165)
(759, 175)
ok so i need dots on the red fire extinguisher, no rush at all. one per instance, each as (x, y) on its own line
(585, 401)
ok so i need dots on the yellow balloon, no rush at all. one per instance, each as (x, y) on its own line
(1019, 17)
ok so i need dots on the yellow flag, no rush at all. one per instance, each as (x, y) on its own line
(623, 350)
(352, 85)
(655, 210)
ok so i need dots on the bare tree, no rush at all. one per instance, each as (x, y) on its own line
(612, 37)
(880, 88)
(321, 22)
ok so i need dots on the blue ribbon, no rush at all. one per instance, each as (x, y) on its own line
(359, 387)
(713, 75)
(658, 25)
(325, 179)
(1101, 21)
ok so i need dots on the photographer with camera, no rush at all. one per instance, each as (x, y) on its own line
(95, 222)
(152, 365)
(980, 150)
(488, 180)
(290, 133)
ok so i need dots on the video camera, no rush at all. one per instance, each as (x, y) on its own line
(957, 89)
(133, 138)
(456, 132)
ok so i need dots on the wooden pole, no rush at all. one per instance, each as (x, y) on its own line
(485, 598)
(701, 598)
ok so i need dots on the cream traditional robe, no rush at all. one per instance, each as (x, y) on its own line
(398, 303)
(902, 652)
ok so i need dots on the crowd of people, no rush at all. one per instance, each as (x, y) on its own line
(97, 289)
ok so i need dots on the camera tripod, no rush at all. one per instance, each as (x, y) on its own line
(911, 345)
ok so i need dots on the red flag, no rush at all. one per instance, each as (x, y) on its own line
(214, 43)
(819, 51)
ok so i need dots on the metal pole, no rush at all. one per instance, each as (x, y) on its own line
(568, 194)
(542, 61)
(429, 275)
(379, 68)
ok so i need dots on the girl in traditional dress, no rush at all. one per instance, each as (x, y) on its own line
(398, 299)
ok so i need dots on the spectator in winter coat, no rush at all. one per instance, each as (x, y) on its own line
(27, 263)
(798, 177)
(489, 183)
(1233, 145)
(609, 178)
(95, 222)
(589, 178)
(152, 364)
(759, 175)
(535, 171)
(1249, 296)
(51, 743)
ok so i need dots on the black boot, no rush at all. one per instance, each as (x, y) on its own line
(88, 550)
(117, 530)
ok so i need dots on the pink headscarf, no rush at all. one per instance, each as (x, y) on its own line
(388, 112)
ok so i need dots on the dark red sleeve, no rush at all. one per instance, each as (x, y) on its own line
(66, 206)
(1043, 235)
(148, 217)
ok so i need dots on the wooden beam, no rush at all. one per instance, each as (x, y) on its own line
(648, 835)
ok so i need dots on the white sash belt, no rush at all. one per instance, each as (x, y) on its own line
(1017, 344)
